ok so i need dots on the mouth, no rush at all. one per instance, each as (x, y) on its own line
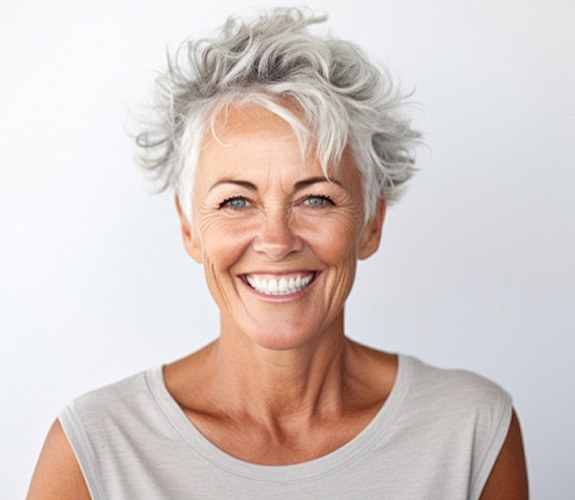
(284, 284)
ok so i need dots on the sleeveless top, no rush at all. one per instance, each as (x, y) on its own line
(436, 437)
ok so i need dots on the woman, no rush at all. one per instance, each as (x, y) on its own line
(284, 149)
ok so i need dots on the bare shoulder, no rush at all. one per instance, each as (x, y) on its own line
(57, 474)
(508, 478)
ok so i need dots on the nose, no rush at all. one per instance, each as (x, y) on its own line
(276, 237)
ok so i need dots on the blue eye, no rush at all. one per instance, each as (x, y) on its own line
(318, 201)
(235, 203)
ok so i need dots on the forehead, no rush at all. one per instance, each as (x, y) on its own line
(251, 135)
(248, 120)
(248, 136)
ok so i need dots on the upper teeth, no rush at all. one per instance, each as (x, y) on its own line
(281, 286)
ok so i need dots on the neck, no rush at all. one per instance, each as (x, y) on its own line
(302, 382)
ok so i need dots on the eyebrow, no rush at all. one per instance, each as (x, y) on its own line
(298, 185)
(314, 180)
(237, 182)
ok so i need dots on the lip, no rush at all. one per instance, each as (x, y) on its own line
(280, 297)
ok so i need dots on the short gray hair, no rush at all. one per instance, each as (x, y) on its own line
(343, 100)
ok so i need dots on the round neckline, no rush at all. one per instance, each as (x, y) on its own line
(366, 439)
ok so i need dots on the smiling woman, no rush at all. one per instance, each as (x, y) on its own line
(264, 216)
(284, 149)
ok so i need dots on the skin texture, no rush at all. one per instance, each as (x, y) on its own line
(256, 161)
(58, 475)
(281, 384)
(508, 479)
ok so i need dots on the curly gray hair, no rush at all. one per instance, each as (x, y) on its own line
(342, 98)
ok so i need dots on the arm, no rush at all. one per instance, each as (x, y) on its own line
(57, 474)
(508, 479)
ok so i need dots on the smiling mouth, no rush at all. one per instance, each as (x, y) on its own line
(280, 285)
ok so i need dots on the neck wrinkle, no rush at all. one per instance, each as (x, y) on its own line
(281, 387)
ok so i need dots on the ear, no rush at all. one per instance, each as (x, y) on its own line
(189, 236)
(371, 235)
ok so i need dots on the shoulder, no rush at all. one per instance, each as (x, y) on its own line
(99, 426)
(455, 390)
(67, 455)
(470, 414)
(111, 413)
(121, 397)
(57, 474)
(131, 385)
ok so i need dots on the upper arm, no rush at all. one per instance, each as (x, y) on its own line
(508, 478)
(57, 474)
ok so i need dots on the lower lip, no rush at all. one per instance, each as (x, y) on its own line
(281, 298)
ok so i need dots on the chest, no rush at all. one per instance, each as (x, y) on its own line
(271, 444)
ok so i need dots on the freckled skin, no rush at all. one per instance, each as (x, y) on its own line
(277, 229)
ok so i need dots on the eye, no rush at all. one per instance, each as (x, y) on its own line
(235, 203)
(318, 201)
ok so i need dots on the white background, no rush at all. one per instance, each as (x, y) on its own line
(476, 268)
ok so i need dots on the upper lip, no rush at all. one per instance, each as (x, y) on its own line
(279, 273)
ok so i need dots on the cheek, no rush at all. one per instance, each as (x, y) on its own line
(336, 246)
(335, 240)
(223, 241)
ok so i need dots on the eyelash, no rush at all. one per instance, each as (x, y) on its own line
(226, 204)
(322, 197)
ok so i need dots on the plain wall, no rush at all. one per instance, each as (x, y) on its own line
(476, 268)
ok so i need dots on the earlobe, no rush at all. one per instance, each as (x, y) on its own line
(371, 235)
(191, 241)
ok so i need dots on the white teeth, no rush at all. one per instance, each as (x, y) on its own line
(283, 286)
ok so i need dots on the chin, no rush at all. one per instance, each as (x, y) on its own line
(281, 338)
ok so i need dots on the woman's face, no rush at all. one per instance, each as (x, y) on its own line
(278, 241)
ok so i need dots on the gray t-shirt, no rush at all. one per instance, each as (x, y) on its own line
(436, 437)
